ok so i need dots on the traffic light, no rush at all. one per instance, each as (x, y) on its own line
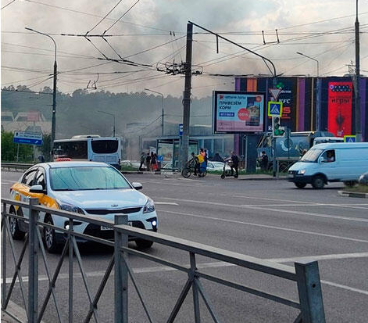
(277, 130)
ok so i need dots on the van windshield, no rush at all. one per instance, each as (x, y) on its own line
(311, 156)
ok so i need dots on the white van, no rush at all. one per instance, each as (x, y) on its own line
(332, 162)
(325, 140)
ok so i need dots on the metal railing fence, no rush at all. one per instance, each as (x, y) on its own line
(305, 275)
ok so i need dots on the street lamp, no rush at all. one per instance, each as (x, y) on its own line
(311, 59)
(162, 108)
(53, 120)
(110, 114)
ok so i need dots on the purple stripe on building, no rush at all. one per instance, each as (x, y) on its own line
(237, 84)
(363, 98)
(301, 105)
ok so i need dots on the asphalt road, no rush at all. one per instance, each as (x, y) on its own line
(265, 219)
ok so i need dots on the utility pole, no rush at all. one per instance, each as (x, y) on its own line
(162, 110)
(184, 144)
(358, 131)
(110, 114)
(53, 120)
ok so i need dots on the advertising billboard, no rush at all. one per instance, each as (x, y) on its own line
(340, 103)
(236, 112)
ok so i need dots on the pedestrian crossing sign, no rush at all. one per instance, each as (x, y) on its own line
(349, 138)
(274, 109)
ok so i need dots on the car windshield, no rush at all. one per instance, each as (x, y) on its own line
(311, 156)
(86, 178)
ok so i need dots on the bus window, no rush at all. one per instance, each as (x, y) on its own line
(105, 146)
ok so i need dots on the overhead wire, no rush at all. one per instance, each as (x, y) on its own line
(122, 16)
(104, 17)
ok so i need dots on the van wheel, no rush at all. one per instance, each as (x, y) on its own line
(350, 183)
(300, 185)
(318, 182)
(15, 231)
(143, 244)
(50, 239)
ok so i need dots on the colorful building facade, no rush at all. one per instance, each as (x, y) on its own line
(326, 103)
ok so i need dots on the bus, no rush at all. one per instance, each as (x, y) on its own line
(89, 147)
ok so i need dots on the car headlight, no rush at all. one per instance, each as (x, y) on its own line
(301, 172)
(149, 207)
(70, 208)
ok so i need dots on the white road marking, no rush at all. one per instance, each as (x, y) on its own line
(322, 257)
(166, 203)
(267, 226)
(336, 217)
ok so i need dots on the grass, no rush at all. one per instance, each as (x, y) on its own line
(357, 189)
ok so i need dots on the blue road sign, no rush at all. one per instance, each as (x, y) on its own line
(180, 129)
(36, 142)
(28, 138)
(350, 138)
(274, 109)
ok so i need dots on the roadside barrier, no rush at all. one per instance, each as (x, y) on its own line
(305, 275)
(15, 166)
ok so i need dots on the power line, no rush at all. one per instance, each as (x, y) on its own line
(122, 16)
(7, 4)
(104, 17)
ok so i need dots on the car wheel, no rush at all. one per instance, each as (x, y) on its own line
(50, 239)
(318, 182)
(350, 183)
(186, 172)
(143, 244)
(223, 176)
(300, 185)
(15, 231)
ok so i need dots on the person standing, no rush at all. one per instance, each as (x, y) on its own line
(143, 159)
(148, 162)
(234, 164)
(153, 161)
(264, 161)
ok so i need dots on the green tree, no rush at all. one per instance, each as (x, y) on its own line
(9, 149)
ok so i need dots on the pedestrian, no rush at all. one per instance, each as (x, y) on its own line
(200, 164)
(234, 164)
(143, 159)
(264, 161)
(153, 161)
(148, 162)
(205, 157)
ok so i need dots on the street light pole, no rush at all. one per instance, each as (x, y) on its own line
(53, 120)
(318, 101)
(110, 114)
(311, 59)
(358, 131)
(162, 109)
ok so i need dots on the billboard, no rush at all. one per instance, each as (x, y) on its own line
(236, 112)
(340, 98)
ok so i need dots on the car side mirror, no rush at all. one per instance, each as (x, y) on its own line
(37, 189)
(322, 160)
(137, 186)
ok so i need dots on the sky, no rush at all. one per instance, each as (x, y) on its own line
(133, 45)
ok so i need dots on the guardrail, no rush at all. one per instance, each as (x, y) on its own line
(16, 166)
(305, 275)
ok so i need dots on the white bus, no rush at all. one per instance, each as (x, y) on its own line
(89, 147)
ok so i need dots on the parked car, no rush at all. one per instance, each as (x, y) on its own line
(363, 179)
(89, 188)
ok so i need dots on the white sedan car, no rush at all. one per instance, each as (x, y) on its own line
(89, 188)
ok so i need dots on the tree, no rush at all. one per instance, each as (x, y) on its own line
(9, 149)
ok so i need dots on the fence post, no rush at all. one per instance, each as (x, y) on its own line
(121, 272)
(33, 263)
(310, 292)
(3, 255)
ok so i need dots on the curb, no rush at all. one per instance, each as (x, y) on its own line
(353, 194)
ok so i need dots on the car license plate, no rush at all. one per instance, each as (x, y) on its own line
(104, 228)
